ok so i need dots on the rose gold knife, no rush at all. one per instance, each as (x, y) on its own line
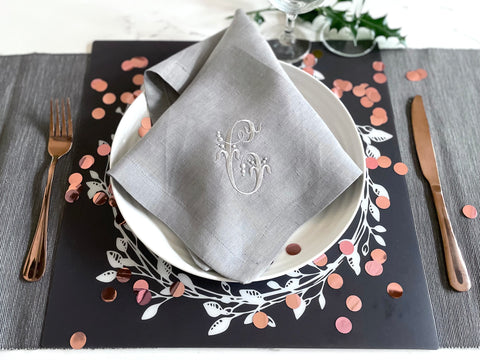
(456, 269)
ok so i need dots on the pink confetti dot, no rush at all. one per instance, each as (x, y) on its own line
(470, 211)
(346, 247)
(103, 150)
(98, 113)
(373, 268)
(371, 163)
(309, 60)
(343, 325)
(321, 260)
(99, 85)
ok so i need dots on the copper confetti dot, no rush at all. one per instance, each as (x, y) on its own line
(71, 195)
(371, 163)
(86, 161)
(335, 281)
(373, 95)
(338, 92)
(109, 294)
(317, 53)
(98, 113)
(377, 121)
(378, 66)
(354, 303)
(309, 60)
(346, 247)
(260, 320)
(384, 161)
(137, 93)
(470, 211)
(137, 79)
(400, 168)
(109, 98)
(379, 255)
(422, 72)
(366, 102)
(373, 268)
(127, 97)
(123, 275)
(140, 285)
(76, 187)
(100, 198)
(293, 301)
(127, 65)
(177, 289)
(75, 179)
(343, 325)
(321, 260)
(142, 131)
(78, 340)
(103, 150)
(99, 85)
(112, 202)
(139, 61)
(413, 76)
(395, 290)
(382, 202)
(144, 296)
(379, 112)
(344, 85)
(293, 249)
(146, 123)
(359, 90)
(380, 78)
(308, 70)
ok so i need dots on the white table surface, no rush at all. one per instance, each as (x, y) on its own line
(62, 26)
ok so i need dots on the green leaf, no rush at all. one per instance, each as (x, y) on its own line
(380, 27)
(258, 18)
(309, 16)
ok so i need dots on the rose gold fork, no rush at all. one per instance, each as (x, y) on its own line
(59, 143)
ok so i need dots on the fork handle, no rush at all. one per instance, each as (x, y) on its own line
(456, 269)
(36, 260)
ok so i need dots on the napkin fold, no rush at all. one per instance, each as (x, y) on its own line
(237, 159)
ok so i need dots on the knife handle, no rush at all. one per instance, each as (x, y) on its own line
(456, 269)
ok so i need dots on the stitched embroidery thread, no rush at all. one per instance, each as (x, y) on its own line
(243, 131)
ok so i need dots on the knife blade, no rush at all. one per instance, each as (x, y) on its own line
(456, 270)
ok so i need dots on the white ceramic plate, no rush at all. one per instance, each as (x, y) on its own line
(315, 237)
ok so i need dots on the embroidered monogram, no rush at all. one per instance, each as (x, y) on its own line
(243, 131)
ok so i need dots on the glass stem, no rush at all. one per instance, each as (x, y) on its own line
(288, 38)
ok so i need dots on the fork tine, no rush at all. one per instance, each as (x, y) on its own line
(70, 126)
(57, 118)
(64, 125)
(51, 117)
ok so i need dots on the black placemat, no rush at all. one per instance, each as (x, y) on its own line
(94, 243)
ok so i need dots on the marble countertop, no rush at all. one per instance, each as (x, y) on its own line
(58, 26)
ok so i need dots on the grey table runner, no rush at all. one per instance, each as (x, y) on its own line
(450, 94)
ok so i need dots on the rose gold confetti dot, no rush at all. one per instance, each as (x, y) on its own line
(123, 275)
(146, 123)
(413, 76)
(470, 211)
(127, 65)
(293, 249)
(344, 85)
(308, 70)
(379, 112)
(103, 150)
(359, 90)
(373, 268)
(78, 340)
(400, 168)
(343, 325)
(380, 78)
(293, 301)
(377, 121)
(321, 260)
(260, 320)
(366, 102)
(140, 285)
(100, 198)
(144, 296)
(354, 303)
(76, 187)
(317, 53)
(119, 219)
(373, 94)
(109, 98)
(378, 66)
(371, 163)
(309, 60)
(109, 294)
(137, 93)
(99, 85)
(382, 202)
(137, 79)
(139, 61)
(86, 162)
(75, 179)
(379, 256)
(422, 73)
(346, 247)
(395, 290)
(338, 92)
(98, 113)
(142, 131)
(127, 97)
(335, 281)
(71, 195)
(177, 289)
(384, 161)
(112, 202)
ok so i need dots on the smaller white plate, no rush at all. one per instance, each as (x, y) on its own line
(315, 237)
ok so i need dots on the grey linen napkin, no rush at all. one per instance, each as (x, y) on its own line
(237, 159)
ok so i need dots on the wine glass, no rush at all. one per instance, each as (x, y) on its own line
(287, 47)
